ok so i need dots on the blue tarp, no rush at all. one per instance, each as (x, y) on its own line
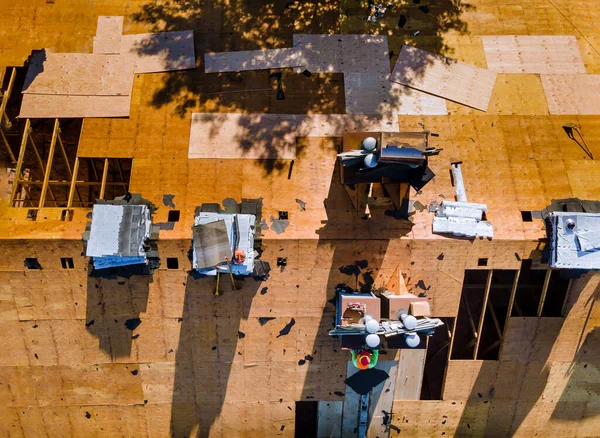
(115, 261)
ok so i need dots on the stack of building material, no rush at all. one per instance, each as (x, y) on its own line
(119, 235)
(461, 218)
(574, 240)
(216, 236)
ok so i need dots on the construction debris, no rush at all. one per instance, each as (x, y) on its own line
(461, 218)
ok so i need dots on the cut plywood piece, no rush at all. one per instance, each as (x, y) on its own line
(253, 60)
(381, 400)
(373, 94)
(270, 136)
(322, 53)
(572, 94)
(329, 421)
(39, 106)
(344, 53)
(79, 74)
(538, 54)
(252, 136)
(108, 35)
(162, 51)
(453, 80)
(410, 374)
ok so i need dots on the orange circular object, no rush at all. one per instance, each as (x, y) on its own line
(363, 360)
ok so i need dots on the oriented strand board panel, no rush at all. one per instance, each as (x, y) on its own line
(79, 74)
(253, 60)
(53, 106)
(548, 54)
(159, 52)
(270, 136)
(253, 136)
(381, 400)
(350, 408)
(329, 422)
(108, 35)
(344, 53)
(572, 94)
(371, 94)
(453, 80)
(410, 374)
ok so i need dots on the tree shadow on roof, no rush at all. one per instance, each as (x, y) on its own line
(247, 25)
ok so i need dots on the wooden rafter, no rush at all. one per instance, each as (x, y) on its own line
(5, 97)
(104, 177)
(73, 183)
(49, 163)
(19, 168)
(486, 298)
(544, 291)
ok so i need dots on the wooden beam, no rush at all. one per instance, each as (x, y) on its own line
(5, 97)
(470, 315)
(8, 148)
(49, 163)
(73, 183)
(450, 347)
(511, 300)
(20, 160)
(486, 298)
(564, 304)
(495, 319)
(544, 291)
(511, 304)
(104, 177)
(54, 182)
(491, 347)
(40, 162)
(64, 153)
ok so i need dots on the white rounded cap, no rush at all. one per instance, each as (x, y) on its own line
(371, 160)
(412, 339)
(373, 341)
(409, 321)
(372, 326)
(367, 317)
(369, 143)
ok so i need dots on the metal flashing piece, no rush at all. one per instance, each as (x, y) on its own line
(574, 240)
